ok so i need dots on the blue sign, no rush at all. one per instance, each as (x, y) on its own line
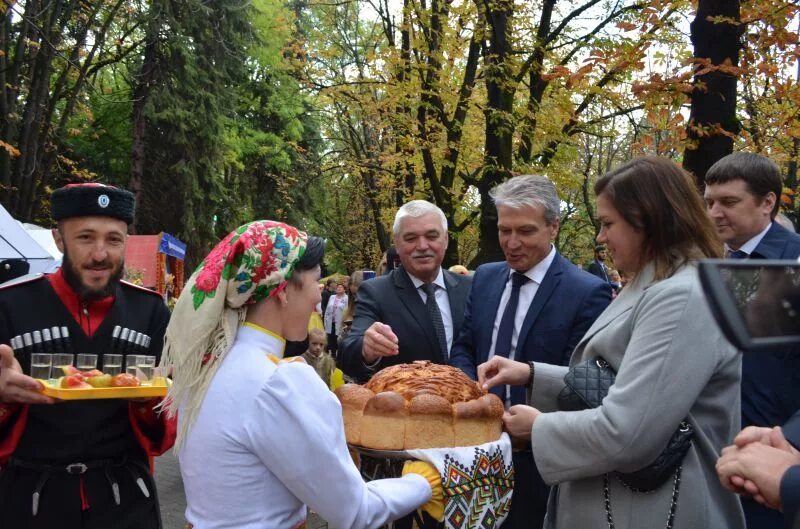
(172, 246)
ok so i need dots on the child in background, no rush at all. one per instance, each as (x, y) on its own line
(322, 362)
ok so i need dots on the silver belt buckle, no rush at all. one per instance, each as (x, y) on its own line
(76, 469)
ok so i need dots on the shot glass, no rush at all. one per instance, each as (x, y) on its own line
(130, 364)
(112, 364)
(159, 376)
(41, 365)
(145, 365)
(87, 362)
(60, 362)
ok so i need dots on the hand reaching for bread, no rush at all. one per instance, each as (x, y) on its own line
(499, 370)
(379, 341)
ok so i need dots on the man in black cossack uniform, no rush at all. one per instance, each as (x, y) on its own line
(79, 464)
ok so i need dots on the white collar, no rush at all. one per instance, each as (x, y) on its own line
(751, 245)
(538, 271)
(260, 339)
(439, 281)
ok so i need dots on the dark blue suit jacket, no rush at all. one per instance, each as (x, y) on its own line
(778, 243)
(770, 381)
(790, 497)
(790, 483)
(565, 306)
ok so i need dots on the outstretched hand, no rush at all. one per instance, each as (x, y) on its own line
(15, 387)
(379, 341)
(499, 370)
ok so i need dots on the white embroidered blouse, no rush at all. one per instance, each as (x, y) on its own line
(269, 440)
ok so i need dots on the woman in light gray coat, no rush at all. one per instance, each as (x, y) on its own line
(671, 363)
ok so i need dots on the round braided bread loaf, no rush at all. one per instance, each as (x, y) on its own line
(419, 405)
(418, 378)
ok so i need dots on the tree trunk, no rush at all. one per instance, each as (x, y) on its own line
(10, 93)
(455, 131)
(537, 84)
(406, 175)
(144, 81)
(499, 123)
(713, 112)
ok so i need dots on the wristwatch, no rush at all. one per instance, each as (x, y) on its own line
(532, 368)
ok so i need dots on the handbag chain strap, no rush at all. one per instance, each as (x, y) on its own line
(673, 502)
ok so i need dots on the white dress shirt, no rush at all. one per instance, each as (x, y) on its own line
(269, 440)
(442, 300)
(750, 246)
(526, 294)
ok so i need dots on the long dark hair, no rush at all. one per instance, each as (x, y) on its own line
(657, 197)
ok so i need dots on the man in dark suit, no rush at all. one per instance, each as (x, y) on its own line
(396, 320)
(742, 196)
(412, 313)
(535, 306)
(598, 266)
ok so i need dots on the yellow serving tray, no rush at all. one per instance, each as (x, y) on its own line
(158, 388)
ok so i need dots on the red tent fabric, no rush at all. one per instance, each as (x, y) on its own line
(141, 252)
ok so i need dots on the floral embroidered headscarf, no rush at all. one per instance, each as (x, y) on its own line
(250, 264)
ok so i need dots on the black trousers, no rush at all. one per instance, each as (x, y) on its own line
(83, 501)
(333, 345)
(529, 499)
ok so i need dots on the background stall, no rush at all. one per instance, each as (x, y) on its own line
(156, 262)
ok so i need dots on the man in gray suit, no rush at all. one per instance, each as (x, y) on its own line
(415, 311)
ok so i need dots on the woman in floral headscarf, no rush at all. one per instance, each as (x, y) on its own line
(259, 440)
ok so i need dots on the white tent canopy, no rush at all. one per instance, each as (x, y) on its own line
(17, 243)
(44, 238)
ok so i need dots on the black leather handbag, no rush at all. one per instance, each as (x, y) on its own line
(587, 384)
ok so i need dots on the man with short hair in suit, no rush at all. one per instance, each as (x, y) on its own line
(598, 266)
(742, 197)
(412, 313)
(415, 311)
(534, 306)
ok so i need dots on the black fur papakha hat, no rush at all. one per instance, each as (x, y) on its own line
(92, 199)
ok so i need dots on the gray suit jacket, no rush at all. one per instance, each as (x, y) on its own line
(393, 300)
(671, 362)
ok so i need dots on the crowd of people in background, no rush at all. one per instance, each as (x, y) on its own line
(260, 438)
